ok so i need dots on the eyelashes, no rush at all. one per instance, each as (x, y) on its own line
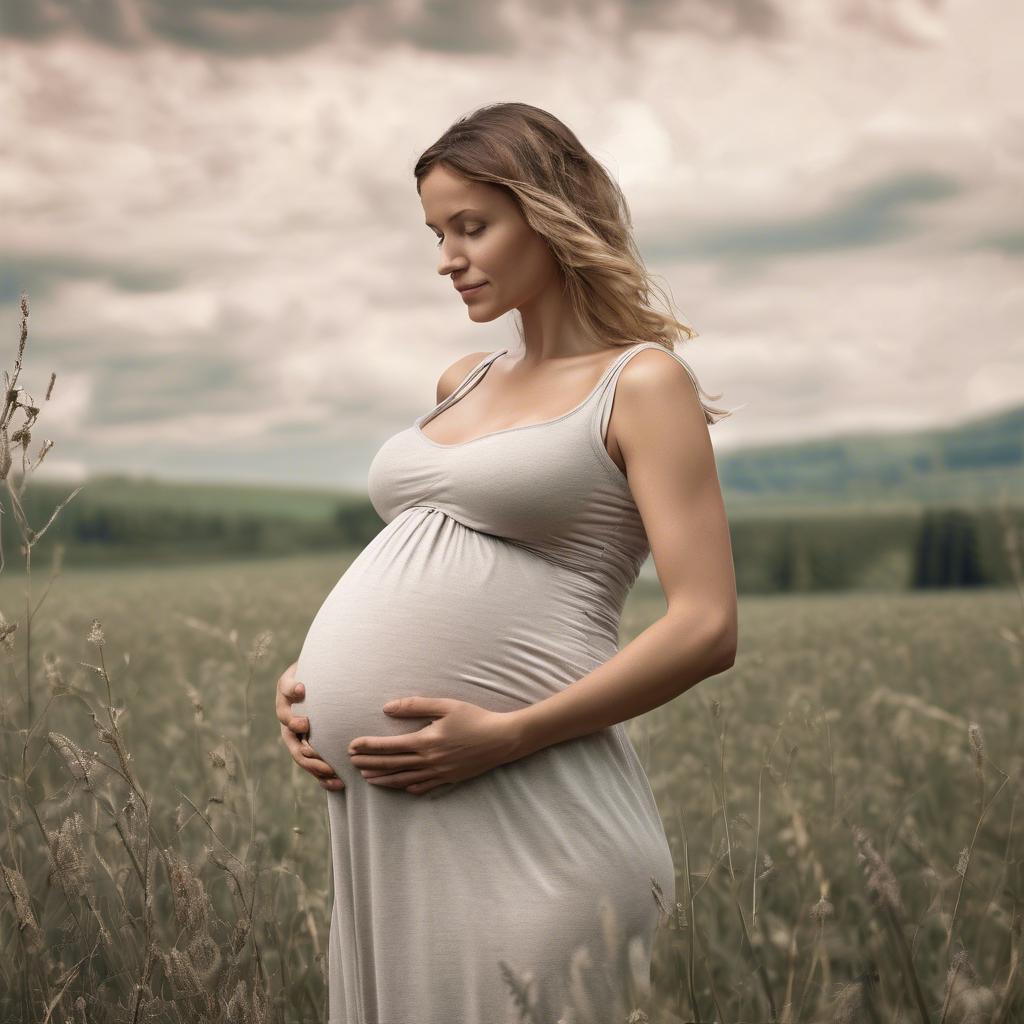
(471, 234)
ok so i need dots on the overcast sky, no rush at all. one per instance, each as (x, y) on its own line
(212, 210)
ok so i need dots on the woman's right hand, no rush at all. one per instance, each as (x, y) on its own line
(293, 728)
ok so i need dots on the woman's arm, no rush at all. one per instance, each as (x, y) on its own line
(663, 435)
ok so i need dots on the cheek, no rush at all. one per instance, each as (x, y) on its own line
(526, 275)
(500, 254)
(513, 265)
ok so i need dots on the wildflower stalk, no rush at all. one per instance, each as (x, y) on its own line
(757, 836)
(688, 896)
(723, 801)
(13, 401)
(1006, 1002)
(977, 744)
(884, 891)
(950, 989)
(762, 974)
(249, 908)
(819, 912)
(71, 847)
(22, 436)
(896, 930)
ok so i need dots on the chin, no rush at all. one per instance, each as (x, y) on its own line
(483, 316)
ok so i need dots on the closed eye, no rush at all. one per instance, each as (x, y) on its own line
(440, 238)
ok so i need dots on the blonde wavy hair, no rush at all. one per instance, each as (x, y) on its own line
(569, 199)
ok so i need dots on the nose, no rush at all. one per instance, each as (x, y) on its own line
(449, 261)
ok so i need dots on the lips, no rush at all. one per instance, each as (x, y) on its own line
(467, 287)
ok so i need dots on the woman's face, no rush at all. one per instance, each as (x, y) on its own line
(483, 239)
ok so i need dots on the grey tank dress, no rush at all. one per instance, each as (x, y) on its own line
(499, 579)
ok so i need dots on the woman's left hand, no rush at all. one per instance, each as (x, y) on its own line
(464, 741)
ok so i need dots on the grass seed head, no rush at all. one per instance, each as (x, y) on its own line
(14, 882)
(204, 954)
(962, 861)
(238, 1005)
(51, 669)
(821, 910)
(260, 646)
(767, 865)
(6, 459)
(183, 975)
(881, 882)
(67, 858)
(241, 932)
(977, 747)
(849, 1007)
(188, 893)
(79, 762)
(970, 1001)
(7, 631)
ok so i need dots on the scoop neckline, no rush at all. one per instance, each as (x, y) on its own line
(427, 416)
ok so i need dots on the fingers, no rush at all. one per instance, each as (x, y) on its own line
(313, 761)
(282, 700)
(399, 780)
(288, 691)
(308, 759)
(391, 762)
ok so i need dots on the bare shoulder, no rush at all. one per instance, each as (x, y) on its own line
(655, 381)
(452, 377)
(660, 427)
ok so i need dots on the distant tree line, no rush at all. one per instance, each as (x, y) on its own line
(94, 532)
(912, 465)
(937, 547)
(815, 551)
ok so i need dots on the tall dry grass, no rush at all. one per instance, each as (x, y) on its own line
(111, 919)
(844, 829)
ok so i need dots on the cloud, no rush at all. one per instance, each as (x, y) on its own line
(212, 209)
(262, 28)
(248, 27)
(40, 273)
(1010, 242)
(873, 215)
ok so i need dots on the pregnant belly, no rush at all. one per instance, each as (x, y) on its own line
(433, 608)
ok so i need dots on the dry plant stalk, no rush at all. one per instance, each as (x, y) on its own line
(162, 946)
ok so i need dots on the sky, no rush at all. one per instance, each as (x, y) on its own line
(211, 208)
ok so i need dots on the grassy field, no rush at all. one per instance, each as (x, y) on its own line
(843, 806)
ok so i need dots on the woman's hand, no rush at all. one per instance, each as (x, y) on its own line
(464, 741)
(294, 729)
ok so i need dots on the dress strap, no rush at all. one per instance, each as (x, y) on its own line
(607, 397)
(464, 385)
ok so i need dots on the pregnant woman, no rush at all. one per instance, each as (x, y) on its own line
(461, 691)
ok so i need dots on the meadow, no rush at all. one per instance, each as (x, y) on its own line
(843, 806)
(842, 803)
